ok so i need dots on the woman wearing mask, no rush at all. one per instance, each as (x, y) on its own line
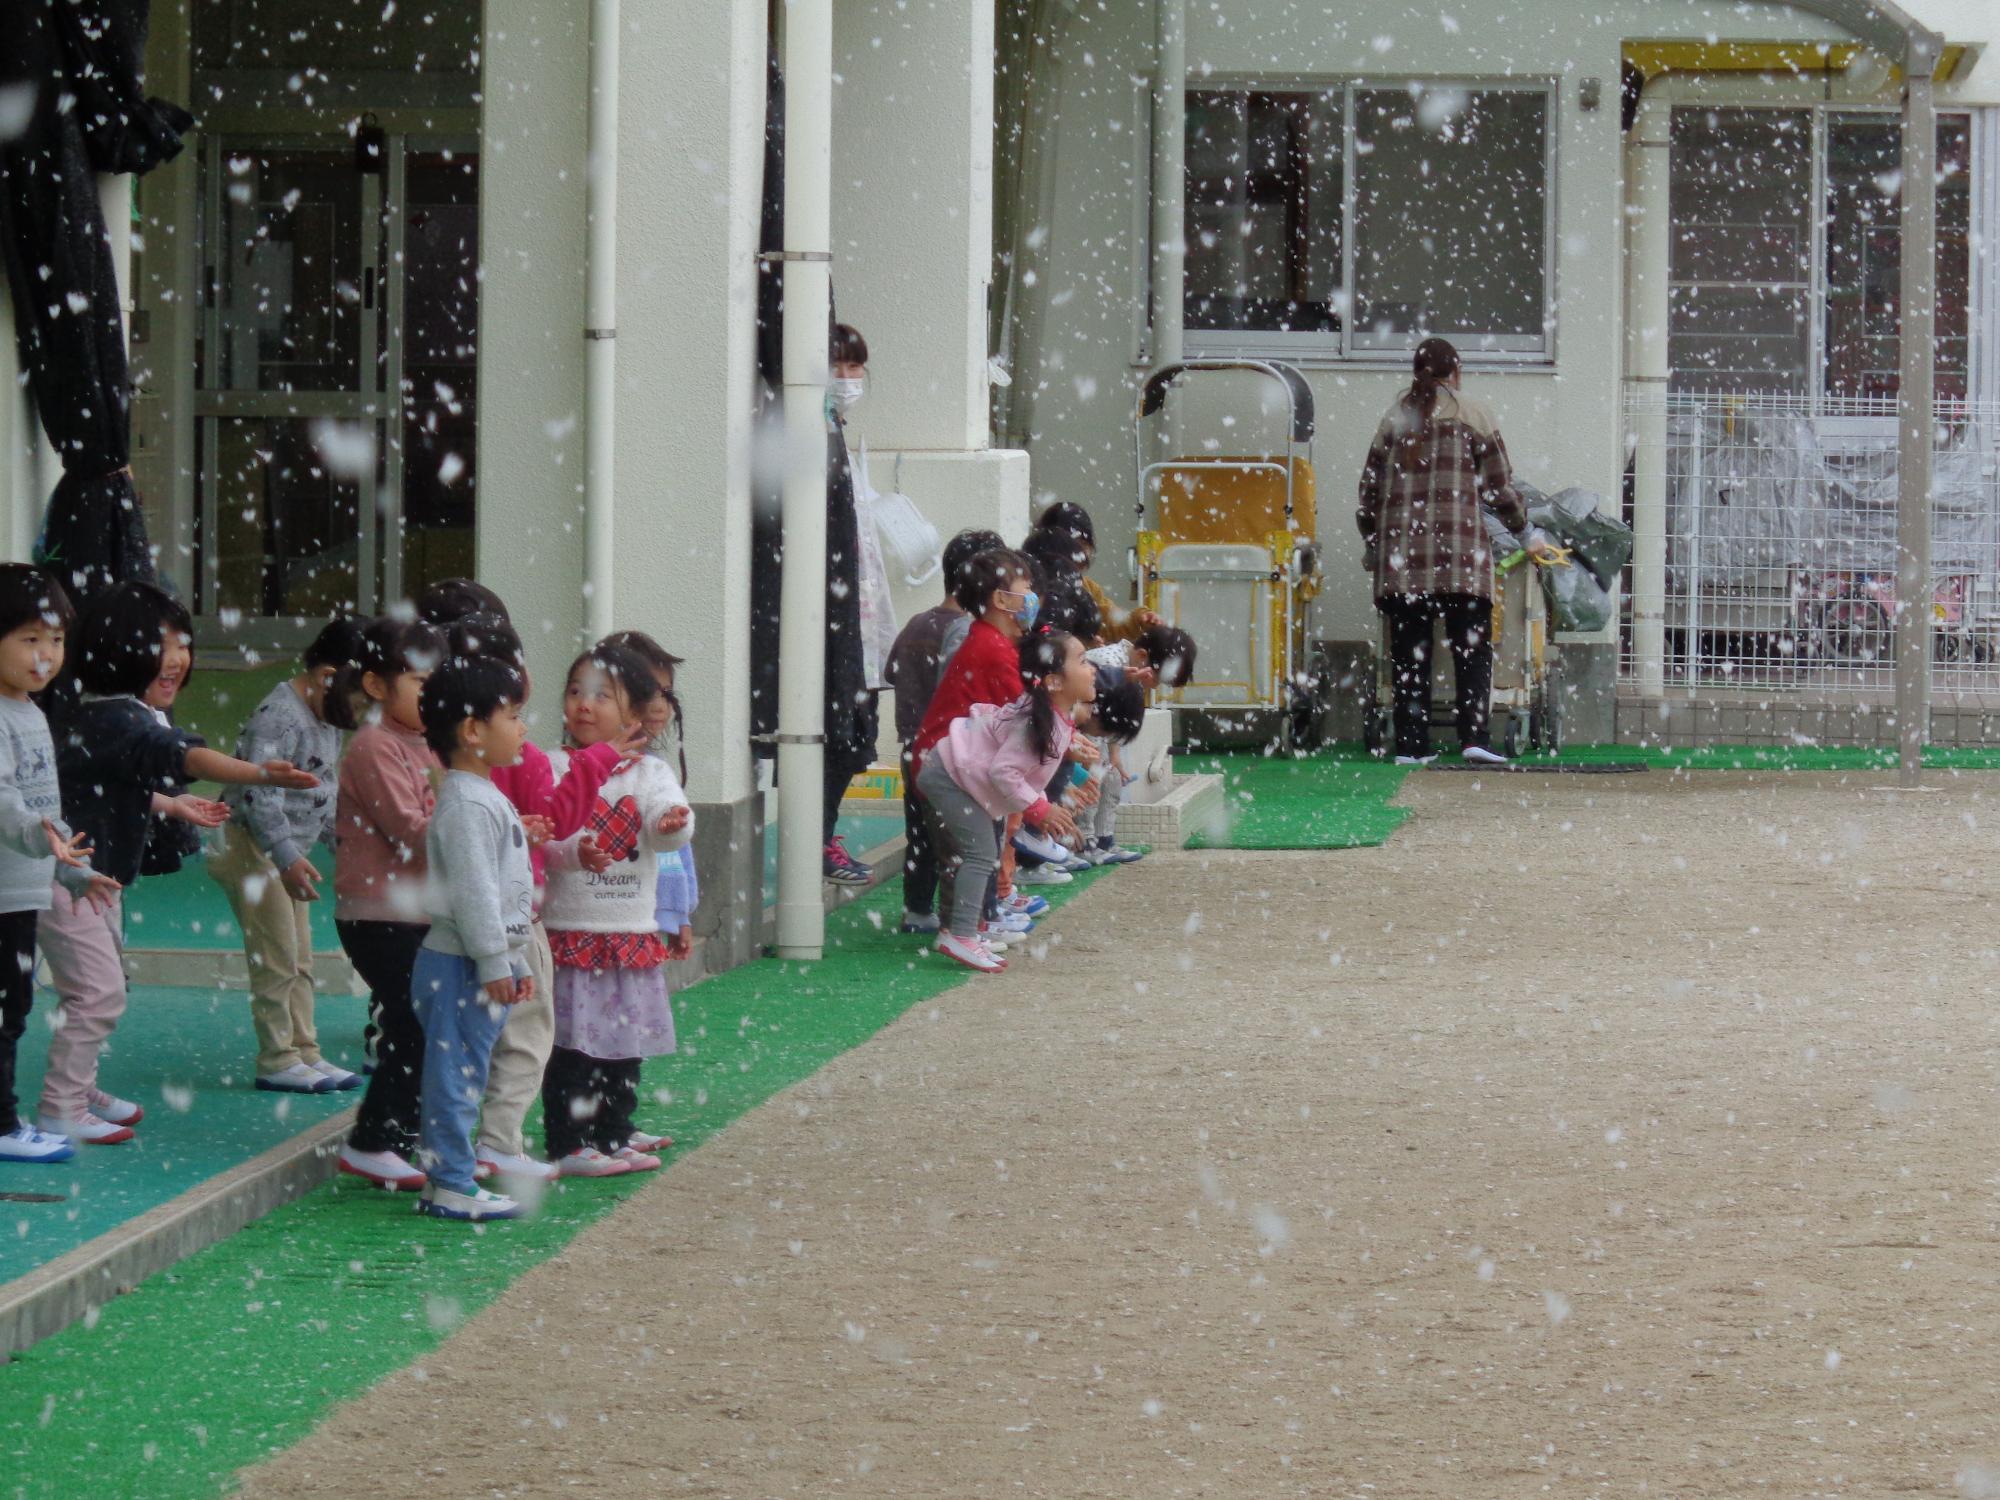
(1436, 460)
(860, 620)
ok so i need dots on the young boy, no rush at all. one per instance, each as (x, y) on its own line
(912, 670)
(266, 870)
(1159, 655)
(36, 847)
(473, 966)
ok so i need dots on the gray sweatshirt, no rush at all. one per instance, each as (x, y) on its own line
(482, 889)
(284, 823)
(28, 794)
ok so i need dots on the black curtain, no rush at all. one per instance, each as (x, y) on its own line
(82, 61)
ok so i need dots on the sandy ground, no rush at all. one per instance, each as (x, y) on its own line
(1601, 1136)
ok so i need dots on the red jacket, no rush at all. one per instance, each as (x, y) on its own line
(987, 669)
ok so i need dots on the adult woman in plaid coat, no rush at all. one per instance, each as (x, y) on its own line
(1436, 461)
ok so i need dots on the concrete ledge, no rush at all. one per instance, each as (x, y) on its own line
(1191, 803)
(73, 1286)
(225, 969)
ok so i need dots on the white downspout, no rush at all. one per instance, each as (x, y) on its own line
(802, 599)
(1915, 420)
(1169, 181)
(1647, 371)
(600, 331)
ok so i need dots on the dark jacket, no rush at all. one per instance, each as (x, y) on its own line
(1066, 603)
(112, 754)
(912, 669)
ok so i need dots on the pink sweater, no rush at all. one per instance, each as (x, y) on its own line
(532, 787)
(992, 755)
(381, 816)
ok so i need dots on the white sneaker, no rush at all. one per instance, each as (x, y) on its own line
(117, 1111)
(1415, 760)
(520, 1168)
(86, 1130)
(25, 1143)
(340, 1078)
(385, 1169)
(973, 954)
(1479, 755)
(652, 1145)
(998, 939)
(1013, 921)
(590, 1162)
(297, 1079)
(473, 1207)
(1043, 875)
(638, 1161)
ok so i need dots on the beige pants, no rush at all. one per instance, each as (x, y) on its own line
(520, 1056)
(85, 955)
(277, 944)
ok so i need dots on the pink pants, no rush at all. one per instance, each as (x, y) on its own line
(84, 952)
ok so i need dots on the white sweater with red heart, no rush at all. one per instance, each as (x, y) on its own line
(625, 821)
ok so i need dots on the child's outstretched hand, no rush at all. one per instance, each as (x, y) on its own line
(1059, 823)
(203, 812)
(675, 818)
(630, 741)
(73, 850)
(102, 891)
(300, 880)
(680, 944)
(1084, 751)
(592, 855)
(538, 828)
(1087, 794)
(1148, 678)
(284, 773)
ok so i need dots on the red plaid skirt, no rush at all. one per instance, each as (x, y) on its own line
(607, 950)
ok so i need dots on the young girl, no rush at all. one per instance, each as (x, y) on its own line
(996, 762)
(113, 756)
(612, 1009)
(387, 793)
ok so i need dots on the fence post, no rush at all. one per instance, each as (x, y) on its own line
(1915, 418)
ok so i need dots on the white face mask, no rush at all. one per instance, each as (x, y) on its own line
(847, 394)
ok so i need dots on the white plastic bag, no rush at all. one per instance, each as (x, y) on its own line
(878, 609)
(907, 535)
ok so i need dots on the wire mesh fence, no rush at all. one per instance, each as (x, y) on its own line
(1780, 518)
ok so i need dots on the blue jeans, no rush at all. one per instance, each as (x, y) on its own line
(460, 1027)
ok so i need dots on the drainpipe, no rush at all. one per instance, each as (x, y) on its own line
(1914, 416)
(600, 332)
(1647, 251)
(1169, 181)
(802, 598)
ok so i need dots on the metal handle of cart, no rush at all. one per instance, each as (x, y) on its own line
(1298, 425)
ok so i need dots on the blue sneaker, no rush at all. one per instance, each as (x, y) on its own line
(1040, 846)
(24, 1143)
(1026, 903)
(475, 1207)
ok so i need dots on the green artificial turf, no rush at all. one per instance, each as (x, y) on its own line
(239, 1351)
(1337, 798)
(1771, 757)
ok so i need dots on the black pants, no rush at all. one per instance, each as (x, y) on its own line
(384, 954)
(588, 1101)
(1468, 623)
(17, 998)
(920, 868)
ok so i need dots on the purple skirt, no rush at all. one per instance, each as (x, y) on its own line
(614, 1013)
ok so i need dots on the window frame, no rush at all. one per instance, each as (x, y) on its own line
(1349, 347)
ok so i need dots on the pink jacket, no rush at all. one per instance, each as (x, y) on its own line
(380, 818)
(991, 753)
(532, 787)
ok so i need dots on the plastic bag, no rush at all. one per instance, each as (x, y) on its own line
(1598, 542)
(1577, 601)
(907, 535)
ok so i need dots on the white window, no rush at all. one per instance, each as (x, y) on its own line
(1352, 222)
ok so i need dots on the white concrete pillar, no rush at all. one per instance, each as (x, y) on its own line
(1647, 248)
(18, 477)
(533, 151)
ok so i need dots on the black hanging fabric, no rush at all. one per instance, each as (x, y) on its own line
(82, 60)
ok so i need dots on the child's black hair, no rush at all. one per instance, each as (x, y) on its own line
(466, 687)
(1067, 515)
(625, 667)
(993, 569)
(29, 596)
(452, 599)
(846, 346)
(659, 659)
(390, 646)
(338, 645)
(1169, 651)
(485, 635)
(1120, 709)
(961, 550)
(119, 643)
(1042, 652)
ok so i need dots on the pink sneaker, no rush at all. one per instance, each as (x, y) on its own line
(590, 1162)
(971, 952)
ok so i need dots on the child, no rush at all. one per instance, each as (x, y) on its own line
(1115, 720)
(35, 846)
(912, 671)
(612, 1009)
(473, 965)
(551, 810)
(994, 762)
(265, 864)
(381, 816)
(113, 755)
(1159, 655)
